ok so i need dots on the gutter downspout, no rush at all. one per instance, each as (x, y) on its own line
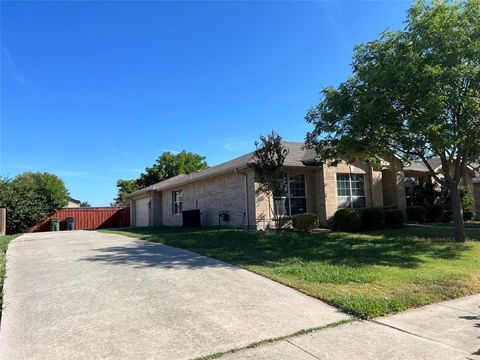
(370, 175)
(246, 197)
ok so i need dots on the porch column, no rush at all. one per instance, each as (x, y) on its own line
(397, 168)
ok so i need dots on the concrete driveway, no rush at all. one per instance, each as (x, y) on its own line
(89, 295)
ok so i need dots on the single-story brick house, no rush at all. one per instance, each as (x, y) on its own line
(231, 187)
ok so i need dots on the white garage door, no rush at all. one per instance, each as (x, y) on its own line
(141, 212)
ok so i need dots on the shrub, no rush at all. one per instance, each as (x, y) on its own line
(393, 217)
(372, 218)
(305, 222)
(416, 213)
(467, 215)
(347, 220)
(31, 197)
(447, 216)
(434, 213)
(467, 198)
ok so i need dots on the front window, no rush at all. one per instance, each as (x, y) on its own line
(291, 198)
(177, 202)
(351, 191)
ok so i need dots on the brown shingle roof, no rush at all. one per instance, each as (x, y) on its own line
(297, 157)
(434, 163)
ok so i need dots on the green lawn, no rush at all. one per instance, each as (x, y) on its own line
(366, 275)
(4, 241)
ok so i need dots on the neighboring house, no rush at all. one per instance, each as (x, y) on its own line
(418, 172)
(231, 187)
(72, 203)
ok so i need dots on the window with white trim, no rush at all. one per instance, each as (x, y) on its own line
(177, 202)
(291, 199)
(351, 191)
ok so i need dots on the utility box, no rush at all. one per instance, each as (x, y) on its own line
(191, 218)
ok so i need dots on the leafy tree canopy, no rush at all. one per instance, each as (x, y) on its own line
(31, 197)
(167, 165)
(414, 93)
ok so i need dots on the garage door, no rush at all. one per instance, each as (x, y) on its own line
(141, 212)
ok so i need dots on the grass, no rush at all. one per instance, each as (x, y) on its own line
(364, 274)
(272, 340)
(4, 241)
(468, 224)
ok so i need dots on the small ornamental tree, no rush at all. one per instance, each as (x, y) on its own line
(269, 157)
(414, 93)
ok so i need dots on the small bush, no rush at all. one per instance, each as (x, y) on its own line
(467, 215)
(393, 217)
(347, 220)
(434, 213)
(305, 222)
(416, 213)
(447, 216)
(372, 218)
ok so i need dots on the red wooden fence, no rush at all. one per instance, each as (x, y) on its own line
(88, 218)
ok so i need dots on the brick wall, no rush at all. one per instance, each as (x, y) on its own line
(222, 193)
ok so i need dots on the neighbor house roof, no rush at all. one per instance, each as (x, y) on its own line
(297, 156)
(435, 163)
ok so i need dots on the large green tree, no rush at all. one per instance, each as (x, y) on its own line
(167, 165)
(31, 197)
(414, 93)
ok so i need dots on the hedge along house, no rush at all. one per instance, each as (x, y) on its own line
(417, 173)
(230, 188)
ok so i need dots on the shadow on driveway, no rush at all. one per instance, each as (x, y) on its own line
(144, 254)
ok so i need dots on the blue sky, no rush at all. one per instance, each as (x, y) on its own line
(96, 91)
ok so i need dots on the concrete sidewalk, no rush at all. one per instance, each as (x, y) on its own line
(448, 330)
(90, 295)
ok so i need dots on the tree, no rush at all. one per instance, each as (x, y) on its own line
(167, 165)
(31, 197)
(85, 204)
(414, 93)
(268, 159)
(125, 187)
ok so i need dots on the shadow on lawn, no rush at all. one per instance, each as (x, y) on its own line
(405, 249)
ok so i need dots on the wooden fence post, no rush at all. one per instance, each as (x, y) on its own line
(3, 222)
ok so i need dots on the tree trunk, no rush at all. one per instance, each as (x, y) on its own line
(458, 223)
